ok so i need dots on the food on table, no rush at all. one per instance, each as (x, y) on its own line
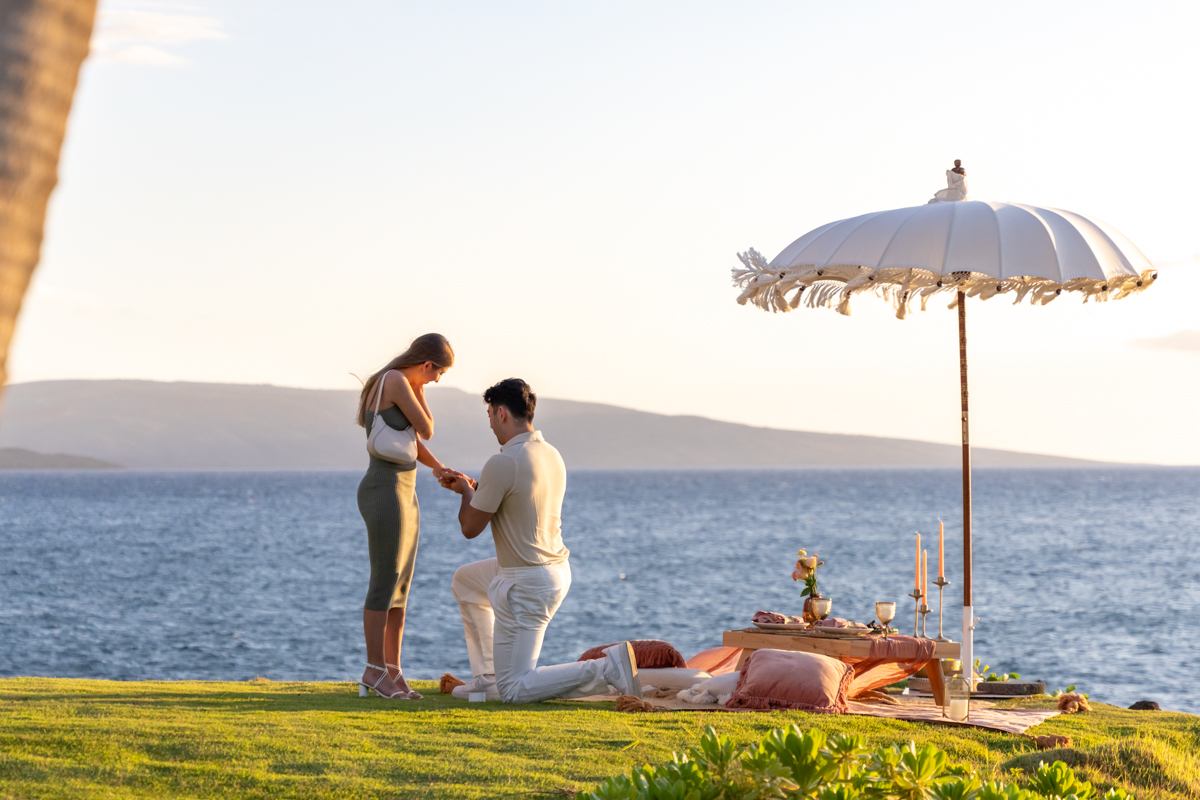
(837, 622)
(771, 618)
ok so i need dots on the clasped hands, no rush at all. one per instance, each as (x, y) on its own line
(454, 480)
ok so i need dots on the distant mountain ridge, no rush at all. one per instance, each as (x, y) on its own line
(181, 425)
(20, 458)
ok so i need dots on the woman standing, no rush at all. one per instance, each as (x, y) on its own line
(392, 408)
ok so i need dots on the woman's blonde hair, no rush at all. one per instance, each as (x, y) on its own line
(431, 347)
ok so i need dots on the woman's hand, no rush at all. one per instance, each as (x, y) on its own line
(409, 397)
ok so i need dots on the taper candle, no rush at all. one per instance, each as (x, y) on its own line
(917, 571)
(925, 573)
(941, 548)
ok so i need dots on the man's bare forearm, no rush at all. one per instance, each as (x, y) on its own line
(464, 510)
(471, 521)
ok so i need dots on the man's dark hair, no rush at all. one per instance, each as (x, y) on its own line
(515, 395)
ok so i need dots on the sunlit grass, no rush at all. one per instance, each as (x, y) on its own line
(1150, 765)
(93, 739)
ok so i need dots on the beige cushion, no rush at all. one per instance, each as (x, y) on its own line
(803, 681)
(717, 689)
(672, 677)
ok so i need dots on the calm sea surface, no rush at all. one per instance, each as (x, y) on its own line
(1081, 576)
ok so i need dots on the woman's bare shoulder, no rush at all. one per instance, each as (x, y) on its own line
(397, 381)
(392, 384)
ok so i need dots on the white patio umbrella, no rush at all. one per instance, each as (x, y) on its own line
(953, 246)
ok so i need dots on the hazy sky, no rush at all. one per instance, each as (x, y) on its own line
(287, 192)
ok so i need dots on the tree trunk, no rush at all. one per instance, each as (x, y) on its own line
(42, 46)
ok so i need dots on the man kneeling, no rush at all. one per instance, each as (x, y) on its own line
(507, 601)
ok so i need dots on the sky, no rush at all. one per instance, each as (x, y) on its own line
(288, 192)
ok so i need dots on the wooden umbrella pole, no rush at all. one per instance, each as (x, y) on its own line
(968, 610)
(966, 447)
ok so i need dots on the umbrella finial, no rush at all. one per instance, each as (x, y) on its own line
(956, 185)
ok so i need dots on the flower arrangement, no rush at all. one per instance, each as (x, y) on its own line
(806, 570)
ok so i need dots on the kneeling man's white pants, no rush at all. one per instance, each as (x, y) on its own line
(519, 603)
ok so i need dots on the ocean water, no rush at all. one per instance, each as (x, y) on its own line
(1086, 577)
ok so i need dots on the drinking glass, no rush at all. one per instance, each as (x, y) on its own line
(885, 612)
(821, 606)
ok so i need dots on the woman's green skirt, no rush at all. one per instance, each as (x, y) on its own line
(387, 500)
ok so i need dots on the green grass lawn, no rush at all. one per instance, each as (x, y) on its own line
(93, 739)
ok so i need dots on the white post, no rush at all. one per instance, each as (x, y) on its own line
(968, 644)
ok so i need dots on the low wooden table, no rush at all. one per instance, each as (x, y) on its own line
(755, 639)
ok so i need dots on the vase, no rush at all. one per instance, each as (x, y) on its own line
(810, 615)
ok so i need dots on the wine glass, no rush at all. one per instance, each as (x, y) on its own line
(821, 606)
(885, 612)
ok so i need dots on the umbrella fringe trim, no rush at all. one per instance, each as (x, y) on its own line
(768, 287)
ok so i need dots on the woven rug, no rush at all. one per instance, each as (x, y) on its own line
(1009, 720)
(983, 715)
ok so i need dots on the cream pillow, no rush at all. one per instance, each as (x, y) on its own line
(716, 689)
(672, 677)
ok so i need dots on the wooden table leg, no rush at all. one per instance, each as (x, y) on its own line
(933, 671)
(743, 658)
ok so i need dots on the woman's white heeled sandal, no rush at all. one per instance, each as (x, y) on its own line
(365, 691)
(409, 694)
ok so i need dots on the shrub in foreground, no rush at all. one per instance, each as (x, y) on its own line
(791, 763)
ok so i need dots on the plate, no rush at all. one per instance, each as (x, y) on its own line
(782, 626)
(843, 633)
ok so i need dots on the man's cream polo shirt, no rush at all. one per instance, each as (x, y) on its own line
(523, 486)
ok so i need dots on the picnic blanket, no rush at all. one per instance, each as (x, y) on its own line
(983, 715)
(1009, 720)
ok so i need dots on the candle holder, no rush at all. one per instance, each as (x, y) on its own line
(957, 692)
(916, 595)
(941, 583)
(923, 611)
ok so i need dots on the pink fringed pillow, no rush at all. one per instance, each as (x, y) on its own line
(776, 679)
(650, 654)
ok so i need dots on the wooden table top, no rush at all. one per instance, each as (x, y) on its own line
(755, 639)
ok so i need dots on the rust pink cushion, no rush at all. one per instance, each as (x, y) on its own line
(716, 660)
(774, 679)
(650, 654)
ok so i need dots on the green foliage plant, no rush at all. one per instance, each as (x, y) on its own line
(983, 673)
(795, 763)
(994, 677)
